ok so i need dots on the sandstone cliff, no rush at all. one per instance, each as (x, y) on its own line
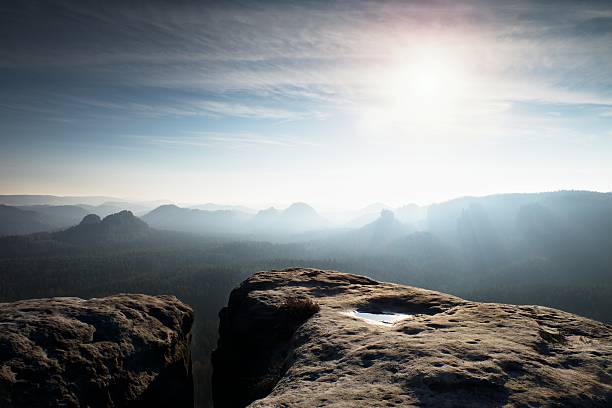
(118, 351)
(292, 339)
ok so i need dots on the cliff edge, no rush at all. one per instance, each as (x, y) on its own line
(306, 337)
(117, 351)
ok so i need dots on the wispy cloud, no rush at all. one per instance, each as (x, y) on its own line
(176, 106)
(335, 53)
(295, 61)
(200, 139)
(254, 111)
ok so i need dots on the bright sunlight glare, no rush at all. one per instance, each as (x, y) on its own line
(423, 89)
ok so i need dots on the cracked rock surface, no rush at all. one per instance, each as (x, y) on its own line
(117, 351)
(450, 352)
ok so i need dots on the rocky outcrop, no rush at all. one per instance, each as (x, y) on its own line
(123, 226)
(90, 219)
(292, 338)
(118, 351)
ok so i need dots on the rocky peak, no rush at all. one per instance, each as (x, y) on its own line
(90, 219)
(124, 217)
(121, 226)
(166, 208)
(124, 350)
(306, 337)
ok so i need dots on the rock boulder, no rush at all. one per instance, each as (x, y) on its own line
(118, 351)
(293, 338)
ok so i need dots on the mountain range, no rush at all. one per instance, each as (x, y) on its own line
(488, 229)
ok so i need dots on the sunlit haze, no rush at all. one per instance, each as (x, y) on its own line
(337, 104)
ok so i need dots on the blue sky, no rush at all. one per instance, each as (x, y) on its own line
(335, 103)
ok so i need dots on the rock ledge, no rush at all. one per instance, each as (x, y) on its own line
(117, 351)
(451, 352)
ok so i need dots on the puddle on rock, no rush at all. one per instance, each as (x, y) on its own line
(384, 318)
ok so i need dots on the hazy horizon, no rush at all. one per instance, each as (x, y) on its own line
(337, 104)
(153, 203)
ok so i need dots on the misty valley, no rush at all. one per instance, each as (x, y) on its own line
(549, 249)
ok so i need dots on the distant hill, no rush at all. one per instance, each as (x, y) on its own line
(15, 221)
(266, 216)
(385, 229)
(100, 205)
(372, 238)
(58, 216)
(356, 218)
(38, 218)
(573, 228)
(112, 207)
(122, 226)
(409, 214)
(172, 217)
(222, 207)
(297, 218)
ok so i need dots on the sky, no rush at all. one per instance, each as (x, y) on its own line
(335, 103)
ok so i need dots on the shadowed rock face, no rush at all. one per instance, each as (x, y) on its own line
(450, 352)
(118, 351)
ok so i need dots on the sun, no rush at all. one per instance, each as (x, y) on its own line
(424, 79)
(424, 87)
